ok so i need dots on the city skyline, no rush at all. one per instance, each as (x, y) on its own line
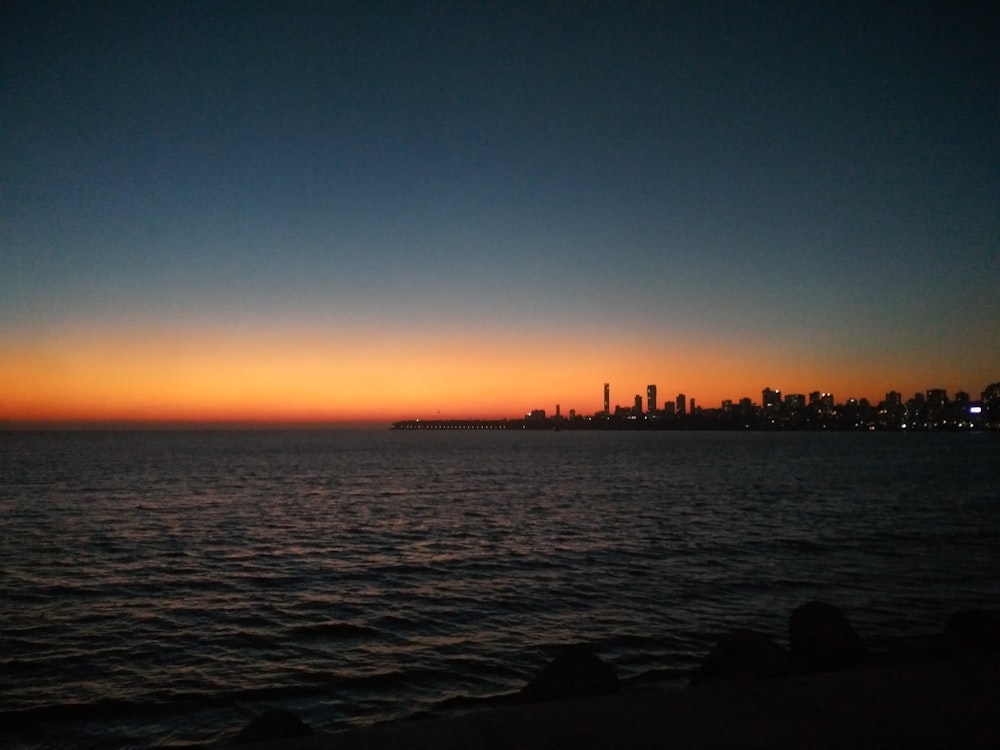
(775, 398)
(325, 213)
(930, 410)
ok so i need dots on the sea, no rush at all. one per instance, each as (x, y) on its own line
(161, 588)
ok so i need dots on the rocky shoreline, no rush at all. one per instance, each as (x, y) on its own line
(826, 689)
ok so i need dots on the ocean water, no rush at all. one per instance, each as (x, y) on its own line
(161, 588)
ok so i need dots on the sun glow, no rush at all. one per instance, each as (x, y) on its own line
(209, 377)
(216, 375)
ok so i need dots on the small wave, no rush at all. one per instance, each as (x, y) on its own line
(387, 681)
(251, 638)
(398, 623)
(788, 583)
(461, 703)
(18, 666)
(256, 695)
(333, 630)
(802, 545)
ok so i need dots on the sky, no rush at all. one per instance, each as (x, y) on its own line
(333, 211)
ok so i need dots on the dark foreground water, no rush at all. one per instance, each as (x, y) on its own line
(164, 587)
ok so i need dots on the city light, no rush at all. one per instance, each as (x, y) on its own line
(925, 410)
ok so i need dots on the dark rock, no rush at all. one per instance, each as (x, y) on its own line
(822, 638)
(901, 649)
(575, 673)
(275, 724)
(744, 655)
(972, 631)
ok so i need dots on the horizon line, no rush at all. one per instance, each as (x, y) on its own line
(180, 425)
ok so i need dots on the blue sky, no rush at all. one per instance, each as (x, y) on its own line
(811, 187)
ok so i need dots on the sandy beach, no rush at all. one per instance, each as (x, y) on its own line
(929, 703)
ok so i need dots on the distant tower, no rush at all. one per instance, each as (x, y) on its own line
(637, 409)
(651, 399)
(607, 398)
(681, 404)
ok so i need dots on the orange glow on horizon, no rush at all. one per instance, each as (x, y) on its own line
(268, 378)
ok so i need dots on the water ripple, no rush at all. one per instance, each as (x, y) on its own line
(165, 586)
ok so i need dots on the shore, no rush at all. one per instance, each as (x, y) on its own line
(929, 703)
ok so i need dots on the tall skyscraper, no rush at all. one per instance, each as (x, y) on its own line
(607, 398)
(651, 399)
(681, 404)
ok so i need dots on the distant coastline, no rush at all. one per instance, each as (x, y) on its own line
(691, 422)
(930, 411)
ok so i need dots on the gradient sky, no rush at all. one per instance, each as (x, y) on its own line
(333, 211)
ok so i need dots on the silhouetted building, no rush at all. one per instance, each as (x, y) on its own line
(607, 398)
(637, 409)
(916, 417)
(770, 401)
(990, 410)
(681, 404)
(991, 394)
(851, 413)
(795, 402)
(937, 398)
(891, 413)
(651, 399)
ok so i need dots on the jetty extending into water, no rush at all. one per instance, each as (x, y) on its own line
(467, 424)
